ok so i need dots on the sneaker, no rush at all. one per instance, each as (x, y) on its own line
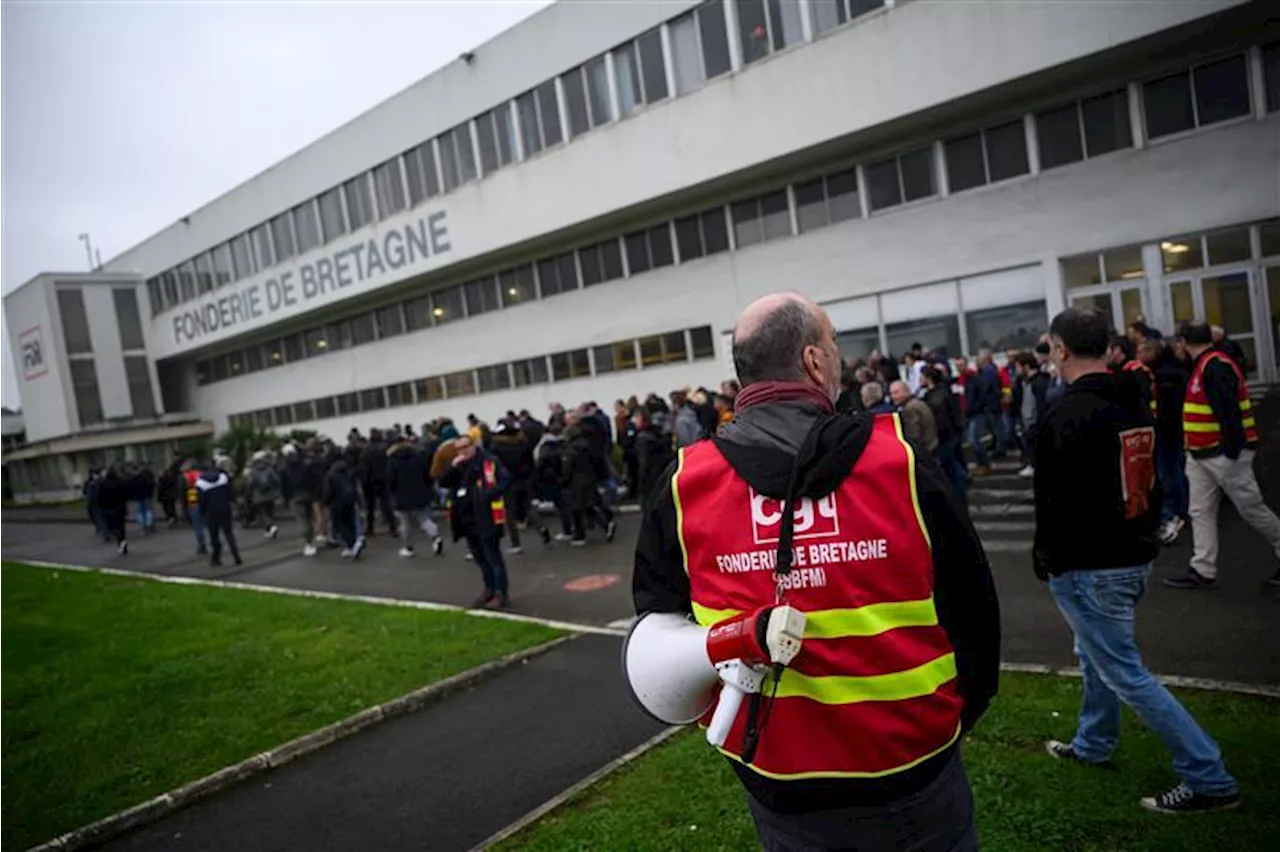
(480, 602)
(237, 559)
(515, 550)
(563, 537)
(469, 556)
(273, 531)
(1193, 579)
(406, 552)
(1183, 800)
(1063, 751)
(610, 531)
(123, 548)
(1027, 472)
(438, 546)
(361, 544)
(321, 541)
(500, 601)
(308, 549)
(546, 536)
(1170, 529)
(981, 470)
(348, 552)
(578, 542)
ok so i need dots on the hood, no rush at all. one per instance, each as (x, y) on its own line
(1120, 389)
(400, 450)
(211, 479)
(768, 444)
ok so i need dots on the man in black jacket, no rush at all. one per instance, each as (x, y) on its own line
(787, 440)
(982, 406)
(216, 502)
(476, 481)
(409, 484)
(950, 420)
(1170, 387)
(373, 480)
(515, 452)
(1097, 508)
(1031, 402)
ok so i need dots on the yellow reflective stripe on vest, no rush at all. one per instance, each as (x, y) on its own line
(1196, 408)
(847, 689)
(870, 620)
(1248, 423)
(1201, 427)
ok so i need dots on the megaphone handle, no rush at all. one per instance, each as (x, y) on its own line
(726, 712)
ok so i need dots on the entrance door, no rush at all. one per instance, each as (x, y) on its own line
(1219, 298)
(1119, 303)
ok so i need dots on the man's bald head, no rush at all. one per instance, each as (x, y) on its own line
(771, 335)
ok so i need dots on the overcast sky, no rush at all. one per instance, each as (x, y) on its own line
(119, 118)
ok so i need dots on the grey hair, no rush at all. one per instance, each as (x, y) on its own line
(872, 394)
(773, 350)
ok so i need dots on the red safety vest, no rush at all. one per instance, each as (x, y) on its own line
(191, 476)
(497, 507)
(1200, 427)
(1136, 366)
(873, 689)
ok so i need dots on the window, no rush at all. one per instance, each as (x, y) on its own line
(905, 178)
(638, 252)
(235, 363)
(673, 347)
(530, 127)
(372, 399)
(339, 335)
(306, 224)
(660, 254)
(204, 373)
(449, 162)
(651, 351)
(294, 348)
(223, 272)
(348, 403)
(575, 101)
(218, 369)
(317, 341)
(429, 390)
(496, 136)
(496, 377)
(272, 354)
(601, 262)
(488, 142)
(767, 25)
(517, 285)
(127, 318)
(686, 61)
(84, 386)
(941, 333)
(1181, 253)
(1059, 136)
(420, 170)
(627, 73)
(481, 295)
(570, 365)
(1007, 327)
(154, 296)
(699, 46)
(204, 272)
(75, 322)
(1201, 96)
(253, 359)
(829, 14)
(991, 155)
(597, 77)
(390, 321)
(187, 280)
(1224, 246)
(399, 394)
(417, 313)
(169, 284)
(466, 154)
(462, 383)
(603, 358)
(824, 201)
(539, 118)
(1094, 126)
(138, 375)
(715, 38)
(388, 185)
(325, 408)
(362, 330)
(359, 201)
(763, 218)
(641, 74)
(1269, 238)
(530, 372)
(703, 344)
(283, 415)
(446, 305)
(689, 238)
(304, 412)
(1271, 77)
(558, 274)
(1125, 263)
(332, 222)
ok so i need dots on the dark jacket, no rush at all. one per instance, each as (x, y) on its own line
(761, 444)
(303, 477)
(470, 512)
(373, 465)
(1171, 389)
(1223, 390)
(340, 486)
(1097, 503)
(515, 453)
(408, 477)
(113, 494)
(982, 392)
(1234, 351)
(653, 454)
(1039, 384)
(583, 470)
(142, 484)
(946, 411)
(214, 497)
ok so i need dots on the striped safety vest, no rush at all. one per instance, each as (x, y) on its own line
(1200, 427)
(191, 477)
(1136, 366)
(873, 690)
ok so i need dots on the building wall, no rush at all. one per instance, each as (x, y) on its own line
(43, 383)
(108, 357)
(896, 63)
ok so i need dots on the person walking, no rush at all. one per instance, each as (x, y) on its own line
(950, 421)
(91, 489)
(653, 454)
(216, 506)
(373, 481)
(585, 472)
(302, 485)
(410, 488)
(190, 477)
(170, 493)
(983, 401)
(1170, 379)
(788, 477)
(1097, 507)
(476, 481)
(514, 451)
(142, 488)
(113, 502)
(1221, 437)
(1033, 394)
(916, 417)
(264, 491)
(548, 474)
(343, 500)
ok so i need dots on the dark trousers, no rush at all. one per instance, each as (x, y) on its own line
(950, 456)
(378, 496)
(169, 509)
(113, 524)
(598, 514)
(344, 523)
(1171, 468)
(219, 528)
(937, 818)
(488, 556)
(520, 504)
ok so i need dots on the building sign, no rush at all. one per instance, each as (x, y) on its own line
(31, 345)
(352, 263)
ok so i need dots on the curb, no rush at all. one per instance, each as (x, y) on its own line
(153, 809)
(1263, 690)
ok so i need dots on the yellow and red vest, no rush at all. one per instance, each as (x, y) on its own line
(1200, 427)
(489, 479)
(1136, 366)
(873, 690)
(191, 476)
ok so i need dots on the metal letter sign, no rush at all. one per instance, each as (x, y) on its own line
(31, 343)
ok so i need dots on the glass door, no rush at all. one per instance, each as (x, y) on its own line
(1272, 274)
(1121, 304)
(1222, 299)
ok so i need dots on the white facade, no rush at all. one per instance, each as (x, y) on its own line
(897, 90)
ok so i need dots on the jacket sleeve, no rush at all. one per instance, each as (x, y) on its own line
(503, 479)
(660, 583)
(1223, 391)
(964, 591)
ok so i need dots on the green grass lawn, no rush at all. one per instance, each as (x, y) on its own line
(117, 689)
(683, 796)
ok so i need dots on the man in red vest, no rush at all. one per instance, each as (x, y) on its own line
(1221, 438)
(856, 741)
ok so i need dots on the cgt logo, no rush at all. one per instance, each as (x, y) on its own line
(812, 519)
(31, 345)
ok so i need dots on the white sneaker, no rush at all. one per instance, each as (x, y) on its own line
(515, 550)
(1027, 472)
(469, 556)
(611, 531)
(406, 552)
(1170, 529)
(321, 541)
(273, 531)
(578, 542)
(563, 537)
(438, 546)
(308, 549)
(348, 552)
(123, 548)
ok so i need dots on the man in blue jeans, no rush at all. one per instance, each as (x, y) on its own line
(1097, 514)
(982, 404)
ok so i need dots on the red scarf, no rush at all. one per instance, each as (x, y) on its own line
(759, 393)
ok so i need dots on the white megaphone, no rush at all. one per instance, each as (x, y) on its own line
(673, 665)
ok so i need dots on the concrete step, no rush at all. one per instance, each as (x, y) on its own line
(995, 510)
(1005, 527)
(1000, 495)
(1006, 546)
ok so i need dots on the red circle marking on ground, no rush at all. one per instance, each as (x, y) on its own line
(592, 582)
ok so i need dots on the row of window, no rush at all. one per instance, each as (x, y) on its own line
(78, 341)
(1084, 128)
(693, 344)
(564, 107)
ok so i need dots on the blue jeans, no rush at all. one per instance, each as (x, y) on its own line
(488, 555)
(146, 517)
(197, 526)
(1100, 607)
(983, 422)
(1171, 464)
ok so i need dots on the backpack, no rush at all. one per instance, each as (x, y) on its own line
(264, 479)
